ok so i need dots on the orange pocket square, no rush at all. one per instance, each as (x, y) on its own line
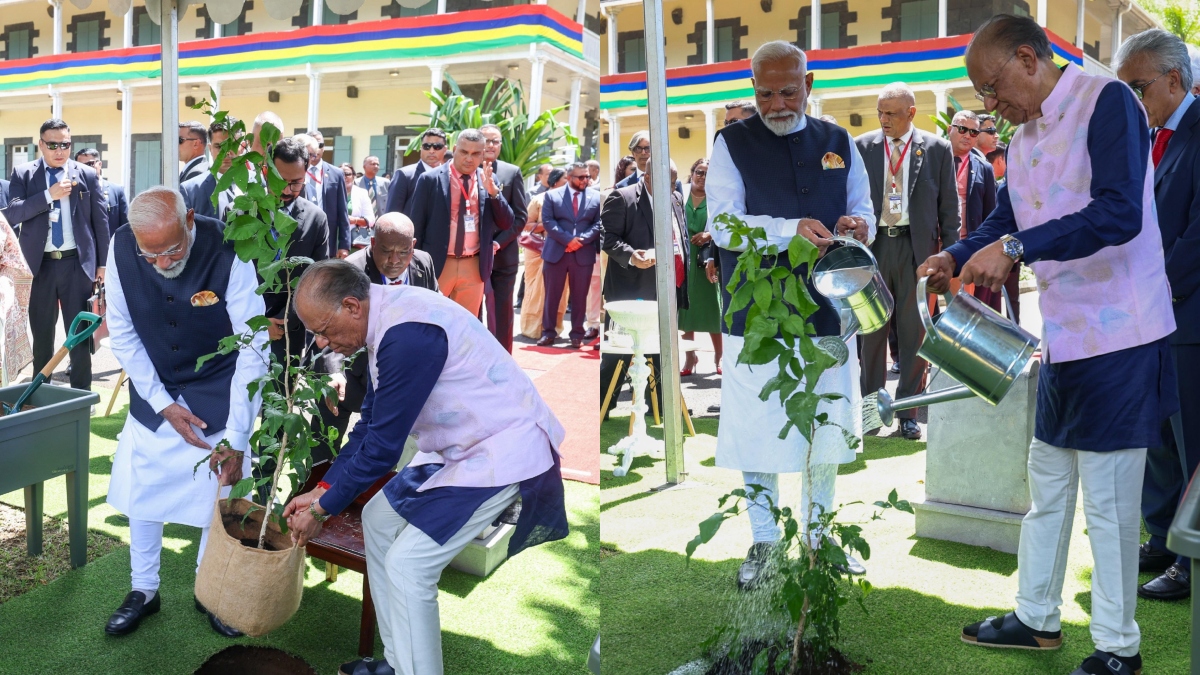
(205, 299)
(831, 160)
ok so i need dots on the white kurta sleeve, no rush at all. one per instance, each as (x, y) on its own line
(858, 191)
(244, 304)
(727, 194)
(125, 343)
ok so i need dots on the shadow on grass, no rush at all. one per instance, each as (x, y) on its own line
(964, 556)
(108, 427)
(875, 448)
(101, 465)
(608, 480)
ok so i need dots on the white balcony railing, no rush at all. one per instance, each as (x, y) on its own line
(1093, 67)
(591, 47)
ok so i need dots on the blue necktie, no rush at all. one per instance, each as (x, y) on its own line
(56, 226)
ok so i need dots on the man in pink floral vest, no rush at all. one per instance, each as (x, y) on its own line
(1079, 208)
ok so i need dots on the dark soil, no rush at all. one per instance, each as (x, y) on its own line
(23, 409)
(21, 573)
(243, 660)
(837, 663)
(253, 543)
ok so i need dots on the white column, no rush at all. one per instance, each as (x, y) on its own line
(541, 2)
(1079, 23)
(814, 34)
(943, 31)
(537, 75)
(613, 59)
(940, 101)
(218, 30)
(437, 73)
(126, 136)
(314, 97)
(614, 143)
(169, 22)
(58, 25)
(1118, 29)
(55, 103)
(710, 128)
(1041, 13)
(573, 112)
(127, 36)
(581, 12)
(317, 14)
(710, 38)
(815, 102)
(441, 6)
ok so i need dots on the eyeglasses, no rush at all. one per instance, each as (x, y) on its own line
(1141, 90)
(432, 146)
(51, 145)
(699, 174)
(641, 148)
(491, 142)
(787, 93)
(173, 251)
(295, 185)
(987, 91)
(965, 130)
(321, 333)
(991, 131)
(183, 140)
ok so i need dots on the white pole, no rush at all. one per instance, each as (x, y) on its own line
(1041, 13)
(710, 129)
(710, 40)
(58, 26)
(1079, 23)
(614, 143)
(56, 109)
(314, 97)
(537, 75)
(943, 31)
(218, 30)
(815, 102)
(1118, 29)
(437, 73)
(581, 13)
(815, 22)
(573, 111)
(441, 6)
(664, 274)
(317, 14)
(169, 19)
(127, 36)
(940, 101)
(613, 58)
(126, 136)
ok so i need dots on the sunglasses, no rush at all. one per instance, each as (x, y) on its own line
(991, 131)
(965, 130)
(700, 174)
(433, 146)
(51, 145)
(183, 140)
(94, 162)
(641, 148)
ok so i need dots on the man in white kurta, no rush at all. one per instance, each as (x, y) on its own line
(175, 289)
(791, 175)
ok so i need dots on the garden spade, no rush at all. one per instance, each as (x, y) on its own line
(74, 337)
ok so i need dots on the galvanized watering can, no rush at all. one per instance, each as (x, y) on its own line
(971, 343)
(850, 277)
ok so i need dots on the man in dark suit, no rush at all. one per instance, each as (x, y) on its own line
(390, 259)
(916, 204)
(571, 216)
(310, 239)
(627, 225)
(3, 193)
(376, 186)
(198, 192)
(118, 206)
(193, 139)
(976, 183)
(61, 208)
(1174, 115)
(326, 188)
(433, 148)
(457, 209)
(508, 254)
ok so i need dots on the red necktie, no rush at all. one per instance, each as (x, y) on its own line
(575, 204)
(1160, 145)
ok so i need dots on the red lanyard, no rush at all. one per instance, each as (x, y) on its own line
(466, 195)
(900, 162)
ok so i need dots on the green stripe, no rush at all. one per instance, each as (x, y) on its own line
(75, 79)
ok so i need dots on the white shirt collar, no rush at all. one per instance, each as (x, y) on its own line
(1177, 116)
(903, 139)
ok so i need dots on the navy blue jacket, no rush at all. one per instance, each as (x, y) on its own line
(563, 224)
(118, 206)
(981, 191)
(198, 192)
(89, 214)
(1177, 199)
(3, 193)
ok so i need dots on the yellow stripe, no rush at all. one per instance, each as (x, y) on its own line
(80, 71)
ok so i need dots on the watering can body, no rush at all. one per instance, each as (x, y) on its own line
(849, 276)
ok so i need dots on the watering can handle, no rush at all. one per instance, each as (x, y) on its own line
(75, 336)
(923, 307)
(1008, 306)
(854, 242)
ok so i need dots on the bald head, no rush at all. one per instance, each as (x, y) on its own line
(260, 121)
(333, 300)
(392, 244)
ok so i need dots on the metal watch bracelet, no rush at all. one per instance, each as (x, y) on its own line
(312, 508)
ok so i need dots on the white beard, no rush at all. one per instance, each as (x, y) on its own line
(781, 125)
(177, 269)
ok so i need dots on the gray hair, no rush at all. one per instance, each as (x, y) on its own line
(1166, 51)
(898, 90)
(828, 118)
(1008, 33)
(328, 282)
(395, 222)
(156, 207)
(576, 165)
(964, 115)
(778, 50)
(1195, 55)
(491, 126)
(638, 137)
(309, 142)
(268, 116)
(469, 135)
(591, 162)
(670, 164)
(746, 106)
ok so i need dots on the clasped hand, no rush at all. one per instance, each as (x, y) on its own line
(989, 268)
(301, 524)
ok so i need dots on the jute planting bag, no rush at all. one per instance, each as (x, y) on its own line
(253, 590)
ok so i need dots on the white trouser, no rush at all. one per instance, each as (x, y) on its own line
(1112, 495)
(145, 550)
(595, 303)
(404, 565)
(820, 483)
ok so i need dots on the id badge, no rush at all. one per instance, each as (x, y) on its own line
(895, 206)
(55, 215)
(469, 221)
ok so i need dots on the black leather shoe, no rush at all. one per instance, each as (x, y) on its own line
(131, 612)
(360, 667)
(895, 369)
(1151, 559)
(1107, 663)
(591, 334)
(546, 341)
(218, 626)
(576, 343)
(910, 429)
(1174, 584)
(751, 573)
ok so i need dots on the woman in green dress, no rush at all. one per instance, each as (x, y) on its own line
(704, 311)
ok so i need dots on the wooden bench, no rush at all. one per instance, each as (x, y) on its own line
(341, 544)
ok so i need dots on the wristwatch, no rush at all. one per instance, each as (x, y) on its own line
(312, 509)
(1013, 247)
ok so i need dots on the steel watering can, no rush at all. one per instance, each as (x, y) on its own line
(971, 343)
(850, 277)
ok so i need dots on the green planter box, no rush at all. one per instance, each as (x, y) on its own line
(50, 441)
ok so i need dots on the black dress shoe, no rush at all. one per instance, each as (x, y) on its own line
(910, 429)
(218, 626)
(131, 612)
(1151, 559)
(576, 343)
(591, 334)
(359, 667)
(895, 369)
(546, 341)
(752, 571)
(1174, 584)
(1107, 663)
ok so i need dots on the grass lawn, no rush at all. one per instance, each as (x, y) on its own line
(656, 610)
(537, 613)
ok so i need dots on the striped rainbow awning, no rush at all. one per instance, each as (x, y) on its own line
(387, 40)
(924, 61)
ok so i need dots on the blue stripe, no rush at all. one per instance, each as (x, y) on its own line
(103, 60)
(709, 78)
(884, 59)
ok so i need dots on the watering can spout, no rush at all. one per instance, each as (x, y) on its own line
(887, 407)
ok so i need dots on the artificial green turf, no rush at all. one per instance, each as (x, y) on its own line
(537, 613)
(656, 609)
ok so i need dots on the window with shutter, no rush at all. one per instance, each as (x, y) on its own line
(342, 146)
(145, 31)
(18, 45)
(147, 163)
(632, 52)
(87, 36)
(379, 148)
(918, 19)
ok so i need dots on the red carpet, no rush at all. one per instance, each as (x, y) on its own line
(569, 382)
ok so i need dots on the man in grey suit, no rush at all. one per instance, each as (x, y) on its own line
(327, 190)
(193, 139)
(433, 150)
(61, 209)
(499, 294)
(916, 206)
(376, 186)
(118, 205)
(198, 192)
